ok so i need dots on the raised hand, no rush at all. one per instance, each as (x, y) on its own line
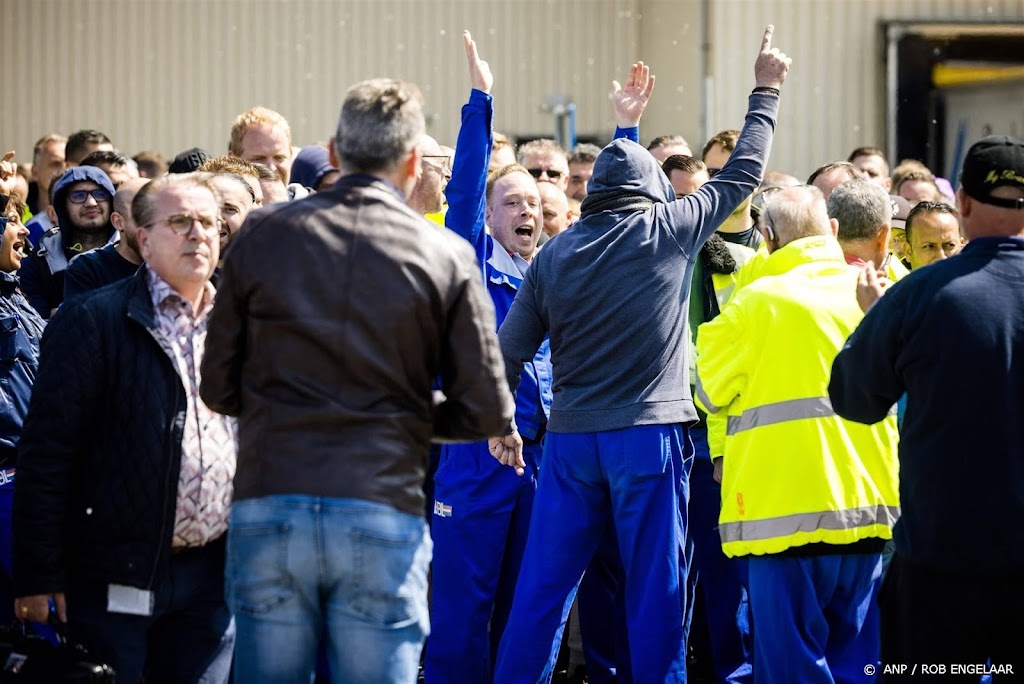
(508, 450)
(629, 102)
(479, 72)
(8, 174)
(771, 66)
(871, 285)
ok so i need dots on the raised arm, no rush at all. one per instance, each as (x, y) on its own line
(466, 191)
(707, 208)
(629, 102)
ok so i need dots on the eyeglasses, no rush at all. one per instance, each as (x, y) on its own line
(79, 196)
(553, 174)
(181, 224)
(445, 166)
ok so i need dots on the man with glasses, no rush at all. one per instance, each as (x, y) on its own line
(427, 197)
(546, 161)
(82, 201)
(121, 511)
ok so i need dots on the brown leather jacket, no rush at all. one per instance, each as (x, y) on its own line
(334, 316)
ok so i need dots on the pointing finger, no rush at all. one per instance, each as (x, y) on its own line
(766, 42)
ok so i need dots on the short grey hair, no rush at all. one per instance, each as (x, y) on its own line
(862, 208)
(381, 121)
(796, 212)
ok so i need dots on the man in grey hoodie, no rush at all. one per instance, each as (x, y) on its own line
(612, 293)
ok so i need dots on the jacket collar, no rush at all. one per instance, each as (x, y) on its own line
(803, 251)
(140, 304)
(511, 265)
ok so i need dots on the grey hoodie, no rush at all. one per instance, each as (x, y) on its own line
(612, 290)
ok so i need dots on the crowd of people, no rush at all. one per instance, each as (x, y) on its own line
(384, 409)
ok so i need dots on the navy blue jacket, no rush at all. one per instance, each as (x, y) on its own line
(20, 330)
(100, 455)
(951, 336)
(42, 273)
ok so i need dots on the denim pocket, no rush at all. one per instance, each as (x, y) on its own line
(390, 572)
(258, 577)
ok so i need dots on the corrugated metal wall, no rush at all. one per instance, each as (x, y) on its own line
(170, 74)
(834, 98)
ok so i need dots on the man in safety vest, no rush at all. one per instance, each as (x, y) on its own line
(808, 497)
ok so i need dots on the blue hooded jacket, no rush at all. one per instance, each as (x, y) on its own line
(42, 273)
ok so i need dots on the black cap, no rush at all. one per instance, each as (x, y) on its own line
(188, 161)
(993, 162)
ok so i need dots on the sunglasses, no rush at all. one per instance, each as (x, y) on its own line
(553, 174)
(79, 196)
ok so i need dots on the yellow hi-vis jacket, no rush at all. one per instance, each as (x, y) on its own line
(794, 472)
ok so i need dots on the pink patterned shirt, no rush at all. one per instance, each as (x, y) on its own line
(208, 445)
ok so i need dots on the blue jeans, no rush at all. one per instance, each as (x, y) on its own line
(348, 572)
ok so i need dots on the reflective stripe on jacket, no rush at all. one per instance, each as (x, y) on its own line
(795, 473)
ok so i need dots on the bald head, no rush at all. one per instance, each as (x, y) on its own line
(427, 196)
(555, 208)
(125, 194)
(794, 213)
(124, 222)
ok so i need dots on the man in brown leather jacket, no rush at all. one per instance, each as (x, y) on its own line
(334, 317)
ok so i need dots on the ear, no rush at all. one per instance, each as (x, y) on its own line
(882, 243)
(118, 221)
(833, 224)
(964, 203)
(413, 164)
(142, 237)
(332, 155)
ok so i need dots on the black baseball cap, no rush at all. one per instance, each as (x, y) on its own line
(188, 161)
(993, 162)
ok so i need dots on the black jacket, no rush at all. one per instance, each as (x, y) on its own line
(99, 458)
(334, 315)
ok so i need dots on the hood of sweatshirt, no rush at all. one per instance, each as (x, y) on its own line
(70, 177)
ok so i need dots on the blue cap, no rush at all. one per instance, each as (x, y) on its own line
(310, 166)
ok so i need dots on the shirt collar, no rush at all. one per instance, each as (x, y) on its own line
(160, 291)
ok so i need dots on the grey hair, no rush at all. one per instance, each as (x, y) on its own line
(381, 121)
(144, 204)
(796, 212)
(862, 208)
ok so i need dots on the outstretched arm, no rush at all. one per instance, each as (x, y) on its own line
(466, 191)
